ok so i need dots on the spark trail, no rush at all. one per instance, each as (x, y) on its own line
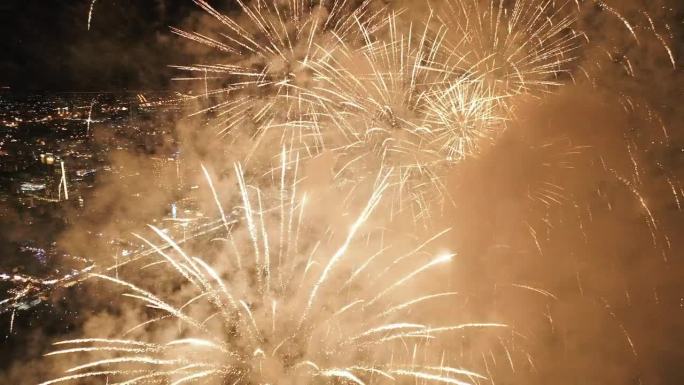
(90, 12)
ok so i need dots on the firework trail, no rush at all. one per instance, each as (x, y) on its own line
(284, 310)
(90, 12)
(90, 116)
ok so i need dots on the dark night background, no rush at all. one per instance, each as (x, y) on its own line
(46, 46)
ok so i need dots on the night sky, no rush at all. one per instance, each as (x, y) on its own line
(46, 45)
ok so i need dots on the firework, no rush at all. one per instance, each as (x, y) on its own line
(386, 101)
(263, 66)
(285, 309)
(519, 47)
(391, 103)
(379, 91)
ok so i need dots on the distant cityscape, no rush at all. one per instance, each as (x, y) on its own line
(55, 149)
